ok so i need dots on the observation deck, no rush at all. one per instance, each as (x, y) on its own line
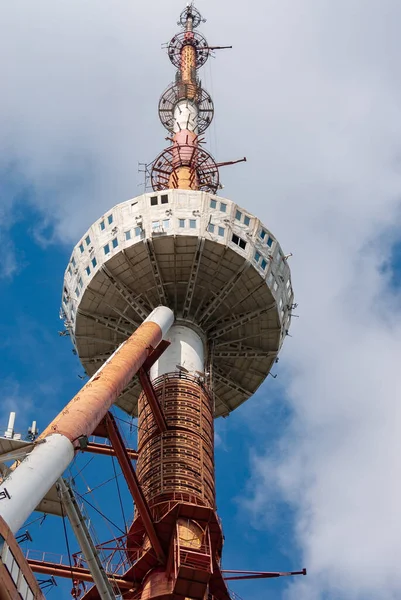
(219, 269)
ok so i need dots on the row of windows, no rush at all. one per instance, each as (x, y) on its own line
(212, 229)
(265, 236)
(223, 206)
(87, 242)
(114, 243)
(154, 200)
(263, 263)
(160, 225)
(242, 218)
(94, 263)
(79, 287)
(182, 223)
(102, 223)
(12, 566)
(238, 241)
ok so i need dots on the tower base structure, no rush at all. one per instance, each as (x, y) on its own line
(175, 469)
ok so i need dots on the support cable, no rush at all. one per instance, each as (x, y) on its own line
(119, 494)
(74, 588)
(101, 514)
(101, 485)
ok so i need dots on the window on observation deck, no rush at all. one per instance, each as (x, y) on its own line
(106, 249)
(221, 231)
(110, 219)
(181, 222)
(115, 242)
(238, 215)
(256, 257)
(88, 270)
(223, 207)
(94, 262)
(81, 247)
(192, 223)
(164, 199)
(263, 264)
(213, 204)
(238, 241)
(73, 262)
(210, 227)
(247, 220)
(102, 225)
(87, 240)
(153, 201)
(138, 231)
(127, 235)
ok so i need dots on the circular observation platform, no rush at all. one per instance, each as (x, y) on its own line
(213, 263)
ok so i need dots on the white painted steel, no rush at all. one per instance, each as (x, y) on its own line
(185, 116)
(86, 544)
(10, 428)
(27, 485)
(186, 350)
(163, 317)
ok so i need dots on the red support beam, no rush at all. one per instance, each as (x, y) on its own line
(156, 354)
(154, 404)
(60, 570)
(260, 574)
(96, 448)
(134, 487)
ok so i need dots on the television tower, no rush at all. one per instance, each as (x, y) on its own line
(177, 303)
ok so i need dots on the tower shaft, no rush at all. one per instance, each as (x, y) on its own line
(176, 471)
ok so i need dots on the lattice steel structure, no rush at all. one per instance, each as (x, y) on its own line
(224, 286)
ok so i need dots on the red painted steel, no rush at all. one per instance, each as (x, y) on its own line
(133, 484)
(85, 411)
(106, 450)
(65, 571)
(154, 404)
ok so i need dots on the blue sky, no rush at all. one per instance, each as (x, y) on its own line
(310, 94)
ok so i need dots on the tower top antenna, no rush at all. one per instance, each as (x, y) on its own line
(190, 16)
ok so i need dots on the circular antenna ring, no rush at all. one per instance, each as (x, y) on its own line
(190, 12)
(202, 165)
(176, 92)
(180, 40)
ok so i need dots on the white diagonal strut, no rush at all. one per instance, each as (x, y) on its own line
(233, 322)
(109, 322)
(137, 304)
(85, 541)
(214, 303)
(156, 272)
(192, 277)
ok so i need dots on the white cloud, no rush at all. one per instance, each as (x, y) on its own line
(311, 94)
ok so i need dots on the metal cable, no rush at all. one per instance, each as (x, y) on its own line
(119, 494)
(100, 513)
(74, 589)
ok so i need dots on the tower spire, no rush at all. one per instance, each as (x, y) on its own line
(186, 110)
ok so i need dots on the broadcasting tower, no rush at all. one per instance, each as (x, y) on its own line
(177, 303)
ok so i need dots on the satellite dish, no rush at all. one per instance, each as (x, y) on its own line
(180, 368)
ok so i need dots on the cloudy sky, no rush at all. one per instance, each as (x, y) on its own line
(311, 94)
